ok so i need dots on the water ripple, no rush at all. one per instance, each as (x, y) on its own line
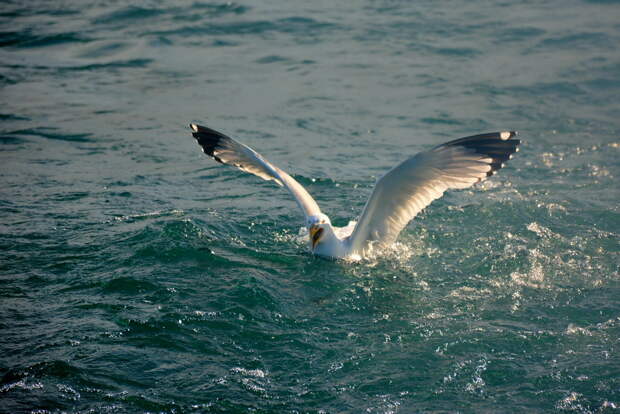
(137, 275)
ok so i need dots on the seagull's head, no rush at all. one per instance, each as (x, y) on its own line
(318, 227)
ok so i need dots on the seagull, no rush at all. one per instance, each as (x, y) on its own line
(398, 196)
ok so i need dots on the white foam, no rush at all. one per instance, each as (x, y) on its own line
(257, 373)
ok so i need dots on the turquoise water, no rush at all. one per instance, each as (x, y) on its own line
(137, 275)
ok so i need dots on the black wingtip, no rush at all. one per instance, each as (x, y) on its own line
(499, 146)
(209, 139)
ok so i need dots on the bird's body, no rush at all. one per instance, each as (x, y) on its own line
(397, 197)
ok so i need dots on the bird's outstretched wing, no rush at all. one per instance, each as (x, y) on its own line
(226, 150)
(412, 185)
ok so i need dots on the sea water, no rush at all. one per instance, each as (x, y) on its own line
(137, 275)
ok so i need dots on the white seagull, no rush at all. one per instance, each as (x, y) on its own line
(398, 195)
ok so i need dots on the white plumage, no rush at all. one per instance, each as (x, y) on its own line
(397, 197)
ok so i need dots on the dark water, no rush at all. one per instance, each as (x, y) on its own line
(136, 275)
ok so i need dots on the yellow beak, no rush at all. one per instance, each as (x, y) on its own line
(315, 234)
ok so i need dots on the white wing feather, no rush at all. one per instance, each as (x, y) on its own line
(412, 185)
(226, 150)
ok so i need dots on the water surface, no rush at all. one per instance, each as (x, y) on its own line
(137, 275)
